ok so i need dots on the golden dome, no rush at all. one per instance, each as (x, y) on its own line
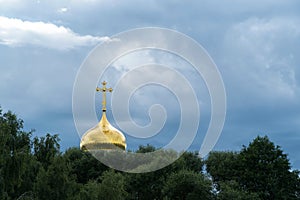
(103, 136)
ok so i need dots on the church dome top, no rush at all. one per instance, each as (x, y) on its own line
(103, 136)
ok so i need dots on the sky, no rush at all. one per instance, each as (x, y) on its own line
(254, 44)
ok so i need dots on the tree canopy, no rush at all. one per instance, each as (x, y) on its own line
(261, 168)
(35, 168)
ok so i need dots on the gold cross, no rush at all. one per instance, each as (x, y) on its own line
(104, 90)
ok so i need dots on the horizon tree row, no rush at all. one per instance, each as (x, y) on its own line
(37, 169)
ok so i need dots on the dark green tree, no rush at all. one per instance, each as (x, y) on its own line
(146, 149)
(32, 167)
(149, 185)
(36, 169)
(260, 168)
(190, 161)
(55, 182)
(145, 185)
(14, 153)
(231, 190)
(111, 185)
(186, 184)
(46, 148)
(266, 170)
(89, 191)
(83, 165)
(223, 166)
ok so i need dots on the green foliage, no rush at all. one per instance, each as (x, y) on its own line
(36, 169)
(190, 161)
(186, 184)
(112, 187)
(266, 170)
(261, 168)
(222, 166)
(55, 182)
(32, 167)
(145, 149)
(145, 185)
(14, 154)
(83, 165)
(46, 148)
(154, 181)
(231, 190)
(89, 191)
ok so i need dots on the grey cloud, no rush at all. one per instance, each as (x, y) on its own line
(254, 43)
(16, 32)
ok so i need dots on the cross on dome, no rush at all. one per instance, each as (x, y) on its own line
(104, 89)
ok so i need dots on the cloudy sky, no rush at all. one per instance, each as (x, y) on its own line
(255, 45)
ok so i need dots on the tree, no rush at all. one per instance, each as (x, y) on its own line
(46, 148)
(260, 168)
(191, 161)
(28, 178)
(187, 184)
(222, 166)
(89, 191)
(83, 165)
(149, 185)
(266, 170)
(231, 190)
(55, 182)
(111, 185)
(14, 152)
(146, 149)
(36, 169)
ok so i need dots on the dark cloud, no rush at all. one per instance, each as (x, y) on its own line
(254, 43)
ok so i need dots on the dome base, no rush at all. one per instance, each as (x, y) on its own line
(102, 146)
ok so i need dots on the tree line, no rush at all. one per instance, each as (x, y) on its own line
(35, 168)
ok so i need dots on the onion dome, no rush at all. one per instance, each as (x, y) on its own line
(103, 136)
